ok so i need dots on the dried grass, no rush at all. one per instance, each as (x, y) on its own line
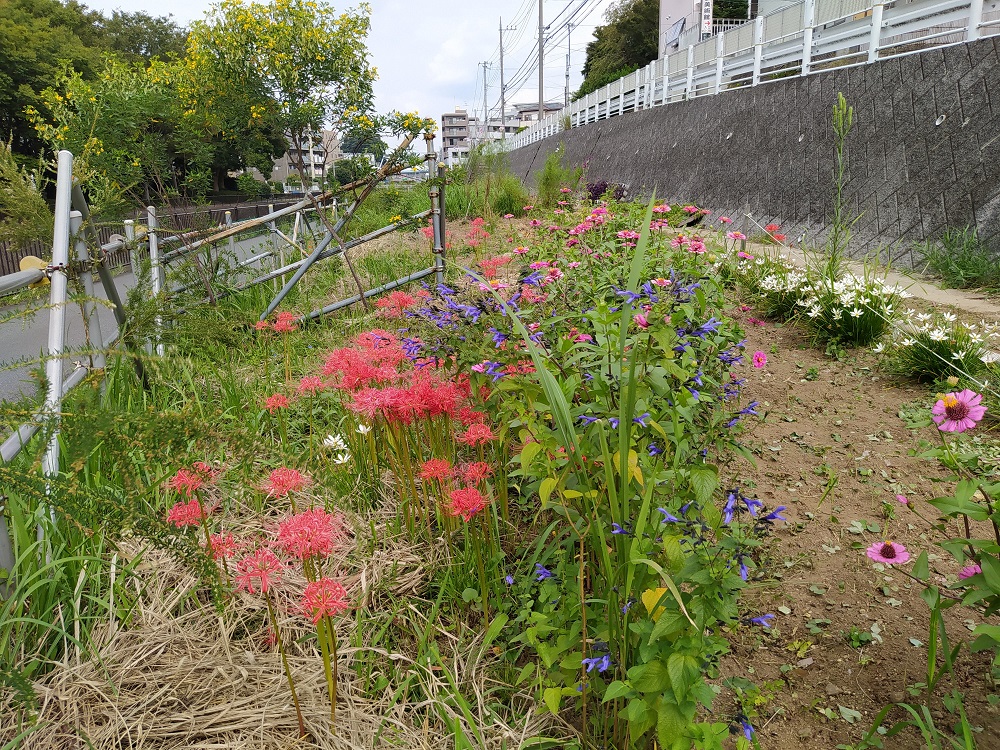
(185, 675)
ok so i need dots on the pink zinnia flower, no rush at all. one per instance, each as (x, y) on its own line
(661, 209)
(275, 402)
(759, 359)
(958, 412)
(312, 533)
(324, 598)
(466, 503)
(255, 570)
(528, 208)
(520, 250)
(745, 256)
(901, 499)
(968, 571)
(725, 220)
(736, 235)
(690, 209)
(641, 320)
(435, 468)
(888, 552)
(282, 481)
(508, 216)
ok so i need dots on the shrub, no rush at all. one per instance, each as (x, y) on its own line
(553, 177)
(961, 260)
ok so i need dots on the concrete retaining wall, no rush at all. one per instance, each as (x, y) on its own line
(924, 154)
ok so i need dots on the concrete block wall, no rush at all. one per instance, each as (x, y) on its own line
(923, 156)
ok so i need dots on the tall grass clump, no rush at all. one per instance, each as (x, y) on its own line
(961, 260)
(554, 177)
(484, 186)
(931, 347)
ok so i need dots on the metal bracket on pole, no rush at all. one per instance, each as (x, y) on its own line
(975, 20)
(875, 38)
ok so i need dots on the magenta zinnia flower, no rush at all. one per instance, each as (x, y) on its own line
(958, 412)
(968, 571)
(888, 552)
(759, 359)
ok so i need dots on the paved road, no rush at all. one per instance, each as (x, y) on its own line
(24, 340)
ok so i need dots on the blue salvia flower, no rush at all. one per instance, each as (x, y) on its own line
(752, 504)
(750, 408)
(532, 279)
(629, 296)
(710, 326)
(498, 336)
(641, 419)
(493, 371)
(600, 663)
(542, 572)
(669, 517)
(445, 291)
(654, 449)
(694, 394)
(509, 579)
(744, 571)
(614, 422)
(588, 420)
(747, 730)
(762, 620)
(775, 515)
(729, 508)
(628, 605)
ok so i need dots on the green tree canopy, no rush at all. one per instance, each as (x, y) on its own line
(625, 43)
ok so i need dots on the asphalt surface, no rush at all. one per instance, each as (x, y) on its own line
(23, 341)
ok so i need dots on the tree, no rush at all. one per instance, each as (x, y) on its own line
(140, 36)
(301, 54)
(625, 43)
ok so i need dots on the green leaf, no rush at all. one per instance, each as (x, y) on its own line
(849, 714)
(545, 489)
(552, 697)
(528, 453)
(669, 622)
(704, 480)
(683, 671)
(526, 671)
(640, 717)
(991, 572)
(987, 637)
(572, 661)
(670, 723)
(494, 629)
(920, 568)
(616, 689)
(959, 506)
(651, 677)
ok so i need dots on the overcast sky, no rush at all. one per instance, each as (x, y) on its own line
(428, 52)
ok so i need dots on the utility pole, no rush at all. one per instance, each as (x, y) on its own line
(503, 85)
(486, 112)
(569, 52)
(541, 63)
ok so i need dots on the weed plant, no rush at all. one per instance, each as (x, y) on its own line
(931, 347)
(554, 178)
(961, 260)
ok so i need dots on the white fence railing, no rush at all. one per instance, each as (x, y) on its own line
(797, 40)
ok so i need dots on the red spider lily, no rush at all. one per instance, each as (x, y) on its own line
(466, 503)
(310, 385)
(772, 227)
(324, 598)
(477, 434)
(286, 322)
(224, 546)
(491, 265)
(255, 571)
(276, 402)
(186, 514)
(284, 480)
(185, 482)
(477, 472)
(261, 325)
(394, 303)
(312, 533)
(469, 416)
(435, 468)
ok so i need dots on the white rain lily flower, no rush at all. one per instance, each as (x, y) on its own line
(939, 334)
(856, 313)
(878, 348)
(922, 317)
(363, 429)
(336, 442)
(342, 458)
(975, 338)
(814, 311)
(959, 355)
(837, 313)
(907, 342)
(950, 317)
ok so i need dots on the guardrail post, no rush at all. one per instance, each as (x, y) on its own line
(689, 86)
(720, 52)
(133, 256)
(875, 39)
(975, 20)
(808, 22)
(758, 49)
(91, 323)
(155, 269)
(232, 240)
(57, 329)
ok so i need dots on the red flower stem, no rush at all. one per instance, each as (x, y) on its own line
(284, 663)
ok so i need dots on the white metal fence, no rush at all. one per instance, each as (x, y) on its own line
(797, 40)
